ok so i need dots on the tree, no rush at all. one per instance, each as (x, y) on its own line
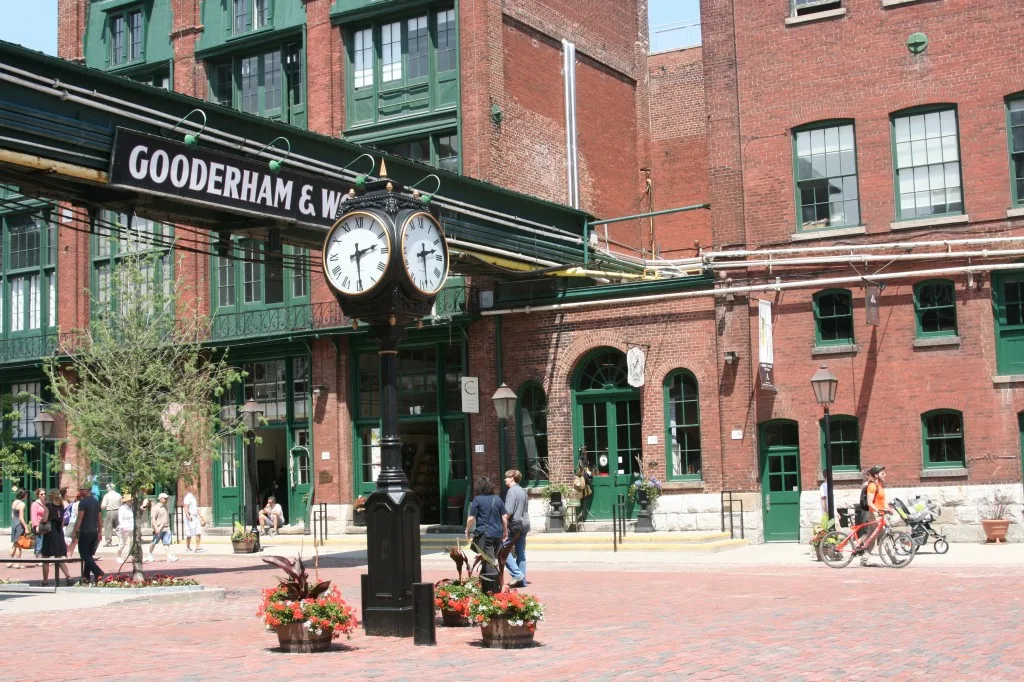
(13, 454)
(141, 396)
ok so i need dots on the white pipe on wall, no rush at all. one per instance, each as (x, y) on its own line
(571, 151)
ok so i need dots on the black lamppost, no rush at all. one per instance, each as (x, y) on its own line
(251, 413)
(825, 385)
(504, 400)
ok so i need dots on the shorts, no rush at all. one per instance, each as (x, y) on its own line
(164, 536)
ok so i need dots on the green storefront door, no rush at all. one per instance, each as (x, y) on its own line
(227, 481)
(780, 481)
(611, 440)
(455, 460)
(1008, 311)
(300, 478)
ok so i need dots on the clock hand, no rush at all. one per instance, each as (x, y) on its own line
(423, 256)
(357, 256)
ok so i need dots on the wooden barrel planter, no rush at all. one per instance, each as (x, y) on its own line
(296, 639)
(454, 619)
(500, 634)
(243, 547)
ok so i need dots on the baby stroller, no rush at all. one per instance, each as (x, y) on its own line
(919, 516)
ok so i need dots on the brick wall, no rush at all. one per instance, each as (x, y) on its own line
(71, 22)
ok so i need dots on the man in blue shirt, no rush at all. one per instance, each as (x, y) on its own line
(488, 515)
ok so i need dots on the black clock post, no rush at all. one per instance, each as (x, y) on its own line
(387, 303)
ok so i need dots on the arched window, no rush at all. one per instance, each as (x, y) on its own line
(606, 370)
(682, 425)
(532, 433)
(844, 439)
(833, 317)
(935, 306)
(942, 432)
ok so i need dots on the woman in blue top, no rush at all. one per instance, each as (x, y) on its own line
(487, 514)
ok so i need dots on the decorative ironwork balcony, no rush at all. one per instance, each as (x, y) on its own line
(27, 348)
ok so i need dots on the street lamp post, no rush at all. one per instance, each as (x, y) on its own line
(825, 384)
(44, 425)
(504, 400)
(251, 413)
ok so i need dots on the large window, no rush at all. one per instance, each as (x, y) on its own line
(844, 441)
(935, 307)
(833, 318)
(268, 83)
(28, 256)
(532, 433)
(927, 165)
(826, 177)
(1015, 126)
(247, 276)
(249, 15)
(682, 425)
(125, 36)
(802, 8)
(403, 67)
(440, 151)
(268, 381)
(117, 235)
(943, 433)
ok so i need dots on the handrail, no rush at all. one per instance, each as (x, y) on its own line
(727, 496)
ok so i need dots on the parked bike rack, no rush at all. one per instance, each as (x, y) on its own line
(727, 499)
(318, 523)
(618, 522)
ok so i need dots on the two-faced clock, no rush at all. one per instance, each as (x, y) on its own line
(424, 252)
(357, 253)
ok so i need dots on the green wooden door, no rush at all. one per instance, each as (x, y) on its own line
(6, 500)
(455, 461)
(610, 432)
(300, 477)
(1008, 311)
(227, 481)
(780, 481)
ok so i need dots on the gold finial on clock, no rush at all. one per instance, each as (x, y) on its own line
(383, 169)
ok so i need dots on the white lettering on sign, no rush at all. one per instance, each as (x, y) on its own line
(215, 177)
(198, 175)
(138, 166)
(329, 200)
(305, 204)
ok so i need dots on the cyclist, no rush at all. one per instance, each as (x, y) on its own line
(872, 505)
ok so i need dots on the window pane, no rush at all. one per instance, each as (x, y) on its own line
(23, 426)
(241, 14)
(826, 171)
(391, 54)
(532, 418)
(25, 233)
(117, 55)
(300, 388)
(250, 77)
(265, 384)
(228, 462)
(448, 153)
(684, 426)
(369, 385)
(223, 85)
(294, 62)
(446, 41)
(300, 272)
(932, 152)
(272, 81)
(226, 281)
(417, 47)
(363, 58)
(262, 13)
(252, 276)
(834, 314)
(135, 32)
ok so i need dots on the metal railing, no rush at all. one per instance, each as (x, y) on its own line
(728, 500)
(318, 523)
(675, 36)
(618, 522)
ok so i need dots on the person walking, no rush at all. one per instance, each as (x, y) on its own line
(19, 526)
(36, 513)
(87, 532)
(193, 522)
(160, 518)
(71, 512)
(125, 528)
(487, 514)
(54, 545)
(871, 506)
(110, 504)
(518, 523)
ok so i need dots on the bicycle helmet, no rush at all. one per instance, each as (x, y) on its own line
(875, 470)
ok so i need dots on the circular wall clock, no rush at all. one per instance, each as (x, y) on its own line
(357, 253)
(424, 252)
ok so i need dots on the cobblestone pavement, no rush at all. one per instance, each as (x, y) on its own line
(701, 622)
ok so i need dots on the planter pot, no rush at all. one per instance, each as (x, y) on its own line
(555, 501)
(243, 547)
(500, 634)
(642, 499)
(995, 529)
(359, 517)
(294, 638)
(454, 619)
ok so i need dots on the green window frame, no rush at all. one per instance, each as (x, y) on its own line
(825, 176)
(935, 308)
(833, 318)
(682, 426)
(117, 235)
(402, 66)
(942, 433)
(126, 37)
(245, 277)
(440, 150)
(1008, 311)
(271, 382)
(269, 82)
(1015, 139)
(844, 441)
(22, 430)
(926, 161)
(28, 274)
(532, 434)
(249, 15)
(802, 8)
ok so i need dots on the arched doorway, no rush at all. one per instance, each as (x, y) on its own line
(780, 480)
(606, 427)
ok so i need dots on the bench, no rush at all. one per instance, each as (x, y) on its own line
(49, 560)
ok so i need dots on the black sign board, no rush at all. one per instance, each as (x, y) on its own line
(766, 374)
(871, 296)
(165, 167)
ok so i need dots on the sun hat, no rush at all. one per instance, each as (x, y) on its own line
(163, 496)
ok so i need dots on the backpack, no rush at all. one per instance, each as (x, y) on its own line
(67, 515)
(864, 497)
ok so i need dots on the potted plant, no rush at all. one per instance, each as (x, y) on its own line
(995, 517)
(508, 620)
(359, 511)
(818, 533)
(555, 494)
(243, 540)
(306, 615)
(645, 492)
(452, 599)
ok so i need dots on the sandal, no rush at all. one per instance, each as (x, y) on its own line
(44, 584)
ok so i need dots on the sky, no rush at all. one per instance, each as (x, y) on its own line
(33, 23)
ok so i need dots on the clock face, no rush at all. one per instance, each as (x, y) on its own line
(357, 253)
(424, 253)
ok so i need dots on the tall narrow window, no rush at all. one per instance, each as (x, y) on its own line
(1015, 116)
(446, 41)
(682, 425)
(363, 58)
(27, 408)
(448, 153)
(262, 8)
(117, 55)
(272, 79)
(418, 47)
(250, 85)
(226, 281)
(300, 273)
(27, 275)
(532, 432)
(826, 177)
(833, 317)
(844, 440)
(927, 165)
(391, 52)
(935, 305)
(943, 432)
(228, 461)
(135, 35)
(252, 278)
(122, 234)
(222, 87)
(241, 15)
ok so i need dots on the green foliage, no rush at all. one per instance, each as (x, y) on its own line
(651, 485)
(568, 492)
(242, 534)
(296, 585)
(821, 529)
(13, 454)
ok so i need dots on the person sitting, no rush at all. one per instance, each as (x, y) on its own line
(271, 516)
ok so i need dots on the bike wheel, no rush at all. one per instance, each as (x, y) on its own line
(897, 550)
(941, 546)
(836, 549)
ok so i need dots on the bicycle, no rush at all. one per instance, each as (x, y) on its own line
(896, 548)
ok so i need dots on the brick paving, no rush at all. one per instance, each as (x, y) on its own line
(701, 622)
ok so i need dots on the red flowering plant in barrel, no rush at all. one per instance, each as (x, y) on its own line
(518, 608)
(317, 604)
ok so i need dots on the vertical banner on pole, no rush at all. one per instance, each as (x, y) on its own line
(765, 347)
(871, 296)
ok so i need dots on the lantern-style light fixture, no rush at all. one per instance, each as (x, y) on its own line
(504, 401)
(44, 423)
(251, 413)
(825, 385)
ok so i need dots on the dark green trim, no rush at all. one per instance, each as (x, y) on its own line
(926, 450)
(838, 419)
(418, 125)
(666, 388)
(575, 289)
(520, 441)
(1016, 198)
(351, 11)
(919, 313)
(251, 41)
(842, 341)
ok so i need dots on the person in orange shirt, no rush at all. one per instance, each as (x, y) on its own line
(875, 497)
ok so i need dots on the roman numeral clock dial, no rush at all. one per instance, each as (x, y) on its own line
(357, 253)
(424, 253)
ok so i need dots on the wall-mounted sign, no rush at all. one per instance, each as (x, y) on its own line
(158, 165)
(871, 296)
(636, 362)
(470, 394)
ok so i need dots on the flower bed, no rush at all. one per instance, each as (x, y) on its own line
(152, 580)
(11, 581)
